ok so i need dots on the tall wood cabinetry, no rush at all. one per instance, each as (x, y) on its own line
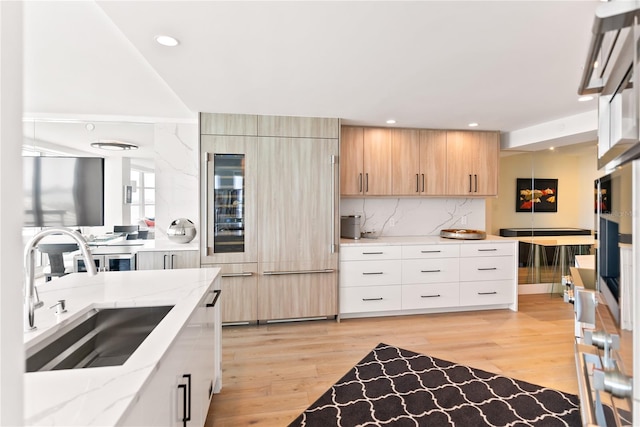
(418, 162)
(285, 265)
(365, 157)
(472, 163)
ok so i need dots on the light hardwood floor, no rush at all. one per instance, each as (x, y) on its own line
(271, 373)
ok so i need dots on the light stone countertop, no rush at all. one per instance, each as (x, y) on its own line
(101, 396)
(418, 240)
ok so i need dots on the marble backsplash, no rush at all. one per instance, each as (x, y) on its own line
(177, 181)
(415, 217)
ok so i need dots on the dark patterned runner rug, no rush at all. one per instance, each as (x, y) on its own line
(396, 387)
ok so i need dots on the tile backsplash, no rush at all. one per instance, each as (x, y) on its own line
(415, 217)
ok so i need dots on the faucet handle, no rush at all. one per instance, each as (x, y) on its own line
(60, 306)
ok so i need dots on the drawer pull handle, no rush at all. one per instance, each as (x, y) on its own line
(372, 299)
(247, 274)
(284, 273)
(372, 253)
(487, 269)
(487, 250)
(215, 299)
(430, 271)
(430, 252)
(487, 293)
(430, 296)
(369, 274)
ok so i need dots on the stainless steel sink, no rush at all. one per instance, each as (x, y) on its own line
(102, 337)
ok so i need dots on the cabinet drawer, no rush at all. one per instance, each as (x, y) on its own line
(362, 253)
(487, 268)
(430, 270)
(487, 249)
(431, 251)
(365, 273)
(487, 293)
(370, 299)
(430, 296)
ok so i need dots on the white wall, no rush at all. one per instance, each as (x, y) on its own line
(11, 322)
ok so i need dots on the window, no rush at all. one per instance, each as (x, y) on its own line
(143, 197)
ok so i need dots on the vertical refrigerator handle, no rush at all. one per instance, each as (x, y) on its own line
(332, 217)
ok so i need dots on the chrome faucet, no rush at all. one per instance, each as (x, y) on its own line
(31, 299)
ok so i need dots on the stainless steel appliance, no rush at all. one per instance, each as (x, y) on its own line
(350, 227)
(110, 262)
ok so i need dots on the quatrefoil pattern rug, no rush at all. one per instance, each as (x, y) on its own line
(396, 387)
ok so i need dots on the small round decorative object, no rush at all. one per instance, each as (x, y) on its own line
(463, 234)
(181, 230)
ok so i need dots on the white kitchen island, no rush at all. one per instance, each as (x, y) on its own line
(145, 389)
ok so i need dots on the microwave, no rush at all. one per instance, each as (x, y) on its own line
(111, 262)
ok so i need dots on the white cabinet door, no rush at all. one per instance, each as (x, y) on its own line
(430, 296)
(431, 251)
(167, 260)
(367, 299)
(487, 249)
(187, 375)
(487, 292)
(370, 273)
(368, 253)
(486, 268)
(437, 270)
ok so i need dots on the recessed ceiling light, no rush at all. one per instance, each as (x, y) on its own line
(473, 125)
(167, 41)
(90, 126)
(113, 145)
(552, 148)
(391, 122)
(585, 98)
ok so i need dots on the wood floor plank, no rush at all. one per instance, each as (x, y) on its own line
(271, 373)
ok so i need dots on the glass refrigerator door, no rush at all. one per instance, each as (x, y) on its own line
(228, 203)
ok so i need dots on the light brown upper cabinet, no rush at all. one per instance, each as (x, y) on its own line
(472, 163)
(419, 162)
(365, 161)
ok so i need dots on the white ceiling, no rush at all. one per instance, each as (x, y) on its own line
(507, 65)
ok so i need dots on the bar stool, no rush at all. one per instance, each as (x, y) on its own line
(55, 252)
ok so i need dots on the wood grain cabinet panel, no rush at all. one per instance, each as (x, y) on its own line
(239, 283)
(295, 296)
(433, 162)
(298, 127)
(405, 155)
(296, 220)
(419, 162)
(377, 162)
(351, 161)
(365, 161)
(228, 124)
(472, 163)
